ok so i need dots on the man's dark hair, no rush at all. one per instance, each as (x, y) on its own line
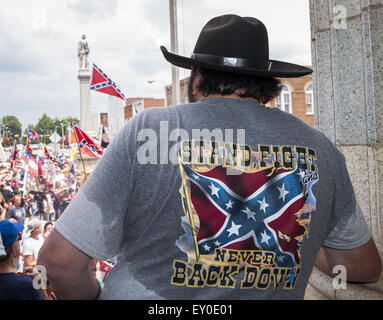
(222, 83)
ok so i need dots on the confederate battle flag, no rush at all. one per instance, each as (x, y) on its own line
(252, 211)
(102, 83)
(86, 144)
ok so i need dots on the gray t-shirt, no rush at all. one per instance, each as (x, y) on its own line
(220, 199)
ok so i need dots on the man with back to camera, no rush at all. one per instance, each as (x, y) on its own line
(251, 206)
(12, 285)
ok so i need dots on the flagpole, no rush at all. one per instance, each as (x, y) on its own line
(37, 182)
(79, 151)
(25, 181)
(190, 213)
(68, 136)
(176, 96)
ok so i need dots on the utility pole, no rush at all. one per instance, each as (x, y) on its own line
(62, 136)
(176, 91)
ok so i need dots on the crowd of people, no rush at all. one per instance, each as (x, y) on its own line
(262, 228)
(47, 201)
(27, 216)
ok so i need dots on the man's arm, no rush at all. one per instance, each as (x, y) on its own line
(29, 260)
(3, 209)
(363, 263)
(68, 269)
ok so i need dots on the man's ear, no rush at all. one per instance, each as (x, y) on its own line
(15, 251)
(196, 80)
(197, 76)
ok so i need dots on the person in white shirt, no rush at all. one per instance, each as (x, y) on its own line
(32, 245)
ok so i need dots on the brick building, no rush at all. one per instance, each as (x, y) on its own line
(148, 103)
(296, 97)
(128, 112)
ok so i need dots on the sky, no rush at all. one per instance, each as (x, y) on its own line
(38, 46)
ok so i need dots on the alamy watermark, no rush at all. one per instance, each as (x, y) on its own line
(40, 277)
(340, 280)
(340, 17)
(164, 146)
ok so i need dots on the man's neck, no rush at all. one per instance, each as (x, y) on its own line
(35, 236)
(231, 96)
(7, 266)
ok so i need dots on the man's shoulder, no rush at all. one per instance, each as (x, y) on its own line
(29, 242)
(158, 111)
(7, 193)
(18, 287)
(11, 212)
(16, 279)
(295, 123)
(151, 117)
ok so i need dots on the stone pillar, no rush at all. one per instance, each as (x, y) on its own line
(86, 121)
(116, 116)
(347, 58)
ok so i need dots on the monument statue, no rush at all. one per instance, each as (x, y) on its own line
(84, 75)
(82, 53)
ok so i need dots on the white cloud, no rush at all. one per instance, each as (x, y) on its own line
(38, 46)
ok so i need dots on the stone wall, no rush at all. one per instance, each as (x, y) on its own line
(347, 58)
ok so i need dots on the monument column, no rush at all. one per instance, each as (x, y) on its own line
(347, 58)
(84, 76)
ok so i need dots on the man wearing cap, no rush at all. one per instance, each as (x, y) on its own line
(12, 285)
(238, 209)
(33, 243)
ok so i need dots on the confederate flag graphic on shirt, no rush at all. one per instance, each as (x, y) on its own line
(257, 218)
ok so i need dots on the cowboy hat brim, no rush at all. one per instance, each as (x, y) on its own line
(277, 68)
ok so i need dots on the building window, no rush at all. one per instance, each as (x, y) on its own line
(283, 101)
(309, 99)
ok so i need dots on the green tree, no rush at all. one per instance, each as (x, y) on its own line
(46, 125)
(13, 125)
(71, 120)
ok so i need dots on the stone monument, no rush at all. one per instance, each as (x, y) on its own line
(347, 58)
(84, 76)
(115, 115)
(86, 119)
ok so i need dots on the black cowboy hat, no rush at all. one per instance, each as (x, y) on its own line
(237, 45)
